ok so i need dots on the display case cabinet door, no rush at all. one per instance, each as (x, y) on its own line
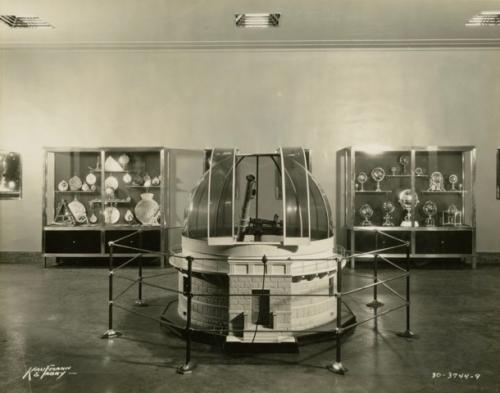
(151, 240)
(72, 242)
(366, 241)
(446, 242)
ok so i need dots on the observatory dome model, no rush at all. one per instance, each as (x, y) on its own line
(259, 228)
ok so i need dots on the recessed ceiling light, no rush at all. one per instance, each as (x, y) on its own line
(257, 19)
(16, 22)
(485, 18)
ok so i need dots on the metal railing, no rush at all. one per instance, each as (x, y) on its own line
(188, 329)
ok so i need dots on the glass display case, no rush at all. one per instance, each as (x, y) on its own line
(93, 196)
(10, 175)
(424, 195)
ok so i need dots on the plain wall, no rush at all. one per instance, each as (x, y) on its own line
(255, 100)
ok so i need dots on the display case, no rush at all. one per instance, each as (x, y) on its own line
(424, 195)
(93, 196)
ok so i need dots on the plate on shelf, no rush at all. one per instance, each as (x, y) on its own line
(129, 216)
(127, 179)
(78, 210)
(123, 160)
(111, 182)
(111, 215)
(63, 185)
(147, 209)
(91, 179)
(75, 183)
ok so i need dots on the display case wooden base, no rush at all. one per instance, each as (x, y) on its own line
(438, 244)
(94, 243)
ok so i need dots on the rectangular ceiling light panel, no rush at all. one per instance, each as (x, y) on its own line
(16, 22)
(485, 18)
(257, 20)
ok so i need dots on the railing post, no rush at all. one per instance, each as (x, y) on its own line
(337, 367)
(375, 304)
(187, 367)
(407, 333)
(140, 302)
(110, 333)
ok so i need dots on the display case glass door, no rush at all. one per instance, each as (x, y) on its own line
(383, 189)
(444, 188)
(73, 184)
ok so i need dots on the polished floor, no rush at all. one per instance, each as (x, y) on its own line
(54, 317)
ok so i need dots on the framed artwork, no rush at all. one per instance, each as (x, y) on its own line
(10, 175)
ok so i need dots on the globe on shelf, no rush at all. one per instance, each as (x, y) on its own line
(404, 160)
(430, 210)
(453, 179)
(407, 199)
(362, 178)
(388, 208)
(436, 182)
(366, 212)
(378, 174)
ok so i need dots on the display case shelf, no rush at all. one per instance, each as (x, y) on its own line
(414, 205)
(144, 187)
(78, 192)
(444, 192)
(373, 192)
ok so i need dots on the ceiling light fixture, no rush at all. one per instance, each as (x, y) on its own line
(485, 18)
(16, 22)
(257, 20)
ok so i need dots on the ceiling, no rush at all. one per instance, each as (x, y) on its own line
(210, 24)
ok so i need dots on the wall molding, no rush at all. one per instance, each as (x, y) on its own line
(414, 44)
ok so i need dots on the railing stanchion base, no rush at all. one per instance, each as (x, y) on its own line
(406, 334)
(141, 303)
(185, 369)
(111, 333)
(337, 368)
(374, 304)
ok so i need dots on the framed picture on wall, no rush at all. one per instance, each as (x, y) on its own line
(10, 175)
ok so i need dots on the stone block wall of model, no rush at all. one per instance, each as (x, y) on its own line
(259, 228)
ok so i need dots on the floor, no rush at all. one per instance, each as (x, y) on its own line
(55, 316)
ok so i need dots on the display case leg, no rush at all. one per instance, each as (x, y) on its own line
(187, 367)
(474, 262)
(110, 333)
(337, 367)
(407, 333)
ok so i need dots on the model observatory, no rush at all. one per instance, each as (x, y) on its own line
(259, 228)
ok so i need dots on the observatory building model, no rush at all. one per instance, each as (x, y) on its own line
(259, 228)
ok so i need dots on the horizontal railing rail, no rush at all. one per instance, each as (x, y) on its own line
(187, 270)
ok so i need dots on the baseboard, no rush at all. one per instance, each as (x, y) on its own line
(488, 258)
(21, 257)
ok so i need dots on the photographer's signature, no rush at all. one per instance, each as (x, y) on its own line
(48, 371)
